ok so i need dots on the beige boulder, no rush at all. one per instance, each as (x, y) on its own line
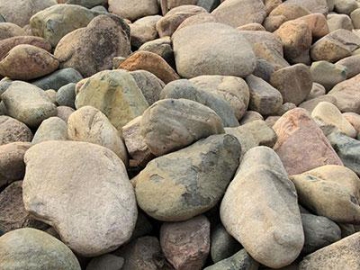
(144, 30)
(133, 9)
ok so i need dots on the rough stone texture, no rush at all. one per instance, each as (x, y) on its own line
(33, 249)
(56, 21)
(241, 260)
(311, 104)
(317, 23)
(106, 262)
(92, 49)
(144, 30)
(234, 90)
(297, 89)
(9, 30)
(273, 238)
(231, 55)
(58, 79)
(53, 128)
(12, 130)
(101, 215)
(330, 191)
(351, 64)
(265, 99)
(125, 8)
(26, 62)
(32, 108)
(197, 182)
(88, 124)
(115, 93)
(301, 144)
(12, 166)
(143, 60)
(319, 232)
(314, 6)
(186, 244)
(172, 124)
(240, 12)
(343, 254)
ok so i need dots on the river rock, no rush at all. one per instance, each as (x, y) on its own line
(53, 128)
(12, 130)
(273, 238)
(240, 260)
(144, 30)
(311, 104)
(9, 30)
(58, 79)
(352, 68)
(161, 47)
(135, 9)
(85, 3)
(93, 222)
(314, 6)
(65, 96)
(334, 73)
(106, 262)
(354, 120)
(339, 21)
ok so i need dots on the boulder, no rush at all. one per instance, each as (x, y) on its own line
(133, 9)
(58, 79)
(12, 130)
(53, 128)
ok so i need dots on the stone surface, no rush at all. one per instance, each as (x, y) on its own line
(33, 249)
(89, 124)
(53, 128)
(273, 238)
(106, 262)
(172, 124)
(113, 92)
(354, 120)
(301, 144)
(144, 30)
(186, 244)
(9, 30)
(355, 18)
(316, 91)
(85, 3)
(328, 74)
(197, 182)
(58, 79)
(199, 18)
(101, 215)
(12, 130)
(91, 49)
(161, 47)
(32, 108)
(241, 260)
(65, 96)
(339, 21)
(231, 55)
(351, 64)
(125, 8)
(64, 112)
(314, 6)
(311, 104)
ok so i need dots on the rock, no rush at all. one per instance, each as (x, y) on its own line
(284, 108)
(167, 5)
(88, 124)
(199, 18)
(143, 226)
(328, 74)
(168, 24)
(314, 150)
(209, 5)
(317, 23)
(199, 56)
(172, 124)
(223, 245)
(196, 183)
(343, 254)
(316, 91)
(351, 65)
(347, 149)
(46, 251)
(184, 89)
(104, 210)
(319, 232)
(12, 130)
(12, 166)
(311, 104)
(142, 253)
(186, 244)
(143, 60)
(265, 99)
(64, 112)
(339, 21)
(161, 47)
(317, 6)
(65, 96)
(91, 49)
(270, 5)
(53, 128)
(345, 7)
(9, 30)
(55, 22)
(115, 93)
(330, 191)
(240, 12)
(32, 108)
(106, 262)
(354, 120)
(144, 30)
(26, 62)
(232, 89)
(125, 9)
(250, 116)
(51, 95)
(355, 18)
(240, 260)
(328, 114)
(85, 3)
(58, 79)
(252, 27)
(273, 238)
(297, 89)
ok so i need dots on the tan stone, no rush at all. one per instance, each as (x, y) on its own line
(9, 30)
(12, 130)
(317, 24)
(310, 105)
(197, 19)
(133, 9)
(144, 30)
(354, 120)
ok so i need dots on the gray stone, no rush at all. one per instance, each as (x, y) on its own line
(161, 47)
(345, 7)
(85, 3)
(314, 6)
(64, 112)
(65, 96)
(196, 184)
(352, 65)
(311, 104)
(355, 18)
(316, 91)
(339, 21)
(12, 130)
(250, 116)
(144, 30)
(209, 5)
(53, 128)
(328, 74)
(239, 261)
(125, 9)
(106, 262)
(58, 79)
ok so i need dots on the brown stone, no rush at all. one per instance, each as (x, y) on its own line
(12, 130)
(9, 30)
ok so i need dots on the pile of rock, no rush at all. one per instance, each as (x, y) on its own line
(179, 134)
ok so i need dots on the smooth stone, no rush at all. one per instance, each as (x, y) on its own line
(273, 238)
(311, 104)
(161, 47)
(84, 3)
(355, 18)
(339, 21)
(53, 128)
(301, 144)
(134, 9)
(106, 262)
(144, 30)
(316, 91)
(317, 23)
(354, 120)
(250, 116)
(104, 211)
(65, 96)
(209, 5)
(186, 244)
(51, 94)
(33, 249)
(64, 112)
(328, 74)
(351, 65)
(284, 108)
(58, 79)
(196, 184)
(12, 130)
(172, 124)
(9, 30)
(197, 19)
(345, 6)
(240, 260)
(194, 58)
(115, 93)
(32, 108)
(167, 5)
(89, 124)
(314, 6)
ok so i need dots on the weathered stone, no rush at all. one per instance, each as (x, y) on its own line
(64, 112)
(91, 49)
(351, 64)
(317, 24)
(135, 9)
(85, 3)
(241, 260)
(250, 116)
(314, 6)
(32, 108)
(58, 79)
(198, 19)
(172, 124)
(103, 211)
(106, 262)
(167, 5)
(273, 238)
(328, 74)
(51, 95)
(9, 30)
(144, 30)
(115, 93)
(345, 7)
(252, 27)
(33, 249)
(354, 120)
(316, 91)
(89, 124)
(197, 182)
(161, 47)
(339, 21)
(65, 96)
(186, 244)
(12, 130)
(355, 18)
(311, 104)
(53, 128)
(284, 108)
(231, 55)
(301, 144)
